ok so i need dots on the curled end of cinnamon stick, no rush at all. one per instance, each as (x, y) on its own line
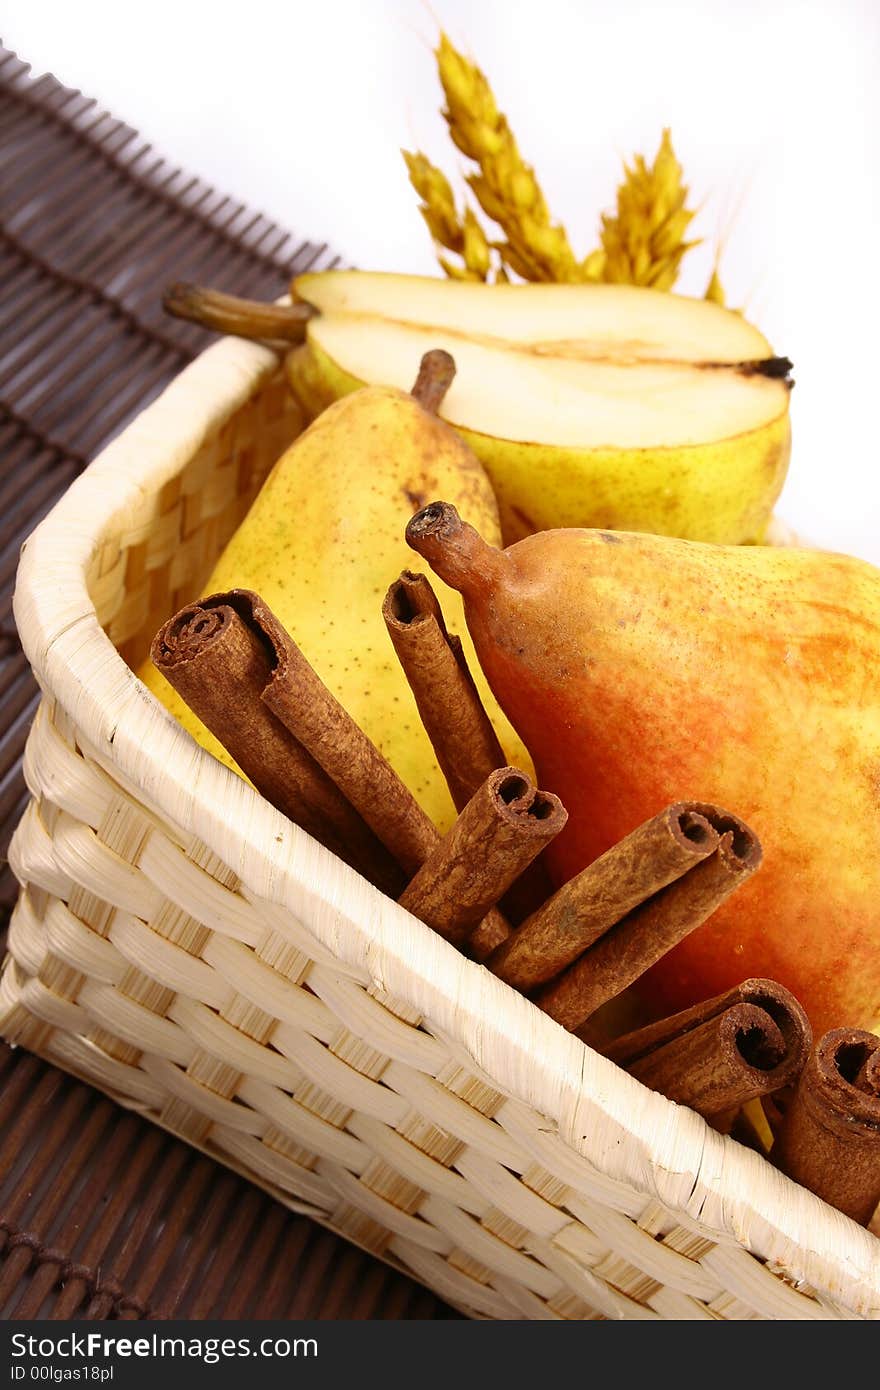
(777, 1039)
(785, 1011)
(739, 846)
(187, 633)
(757, 1039)
(520, 801)
(410, 599)
(848, 1065)
(688, 825)
(436, 375)
(194, 629)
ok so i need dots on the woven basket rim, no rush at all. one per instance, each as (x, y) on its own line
(628, 1132)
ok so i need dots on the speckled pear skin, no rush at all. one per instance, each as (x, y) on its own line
(640, 670)
(322, 542)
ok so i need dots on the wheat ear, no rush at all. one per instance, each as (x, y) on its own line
(505, 187)
(645, 241)
(462, 235)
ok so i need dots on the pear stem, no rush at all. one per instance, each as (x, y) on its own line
(244, 318)
(436, 373)
(454, 550)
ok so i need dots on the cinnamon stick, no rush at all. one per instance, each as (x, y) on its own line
(633, 944)
(751, 1041)
(217, 660)
(464, 742)
(506, 823)
(654, 855)
(449, 705)
(490, 933)
(829, 1139)
(298, 697)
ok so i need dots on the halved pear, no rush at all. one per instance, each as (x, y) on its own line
(589, 405)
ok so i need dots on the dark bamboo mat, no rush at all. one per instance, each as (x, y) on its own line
(101, 1214)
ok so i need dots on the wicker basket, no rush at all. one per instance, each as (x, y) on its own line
(179, 944)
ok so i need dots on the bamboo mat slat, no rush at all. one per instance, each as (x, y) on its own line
(101, 1215)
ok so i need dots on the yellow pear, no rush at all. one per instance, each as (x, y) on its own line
(605, 406)
(321, 543)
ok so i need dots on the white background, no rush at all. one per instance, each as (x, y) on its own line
(301, 108)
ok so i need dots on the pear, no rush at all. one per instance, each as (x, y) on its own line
(323, 540)
(589, 405)
(640, 670)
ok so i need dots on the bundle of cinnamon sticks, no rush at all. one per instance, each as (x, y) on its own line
(483, 886)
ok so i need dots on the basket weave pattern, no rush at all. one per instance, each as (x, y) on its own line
(180, 945)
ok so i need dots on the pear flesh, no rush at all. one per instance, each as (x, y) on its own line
(321, 543)
(642, 670)
(589, 405)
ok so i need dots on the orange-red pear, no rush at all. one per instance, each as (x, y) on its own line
(640, 670)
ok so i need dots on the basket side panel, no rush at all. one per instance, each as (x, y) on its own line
(160, 555)
(140, 962)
